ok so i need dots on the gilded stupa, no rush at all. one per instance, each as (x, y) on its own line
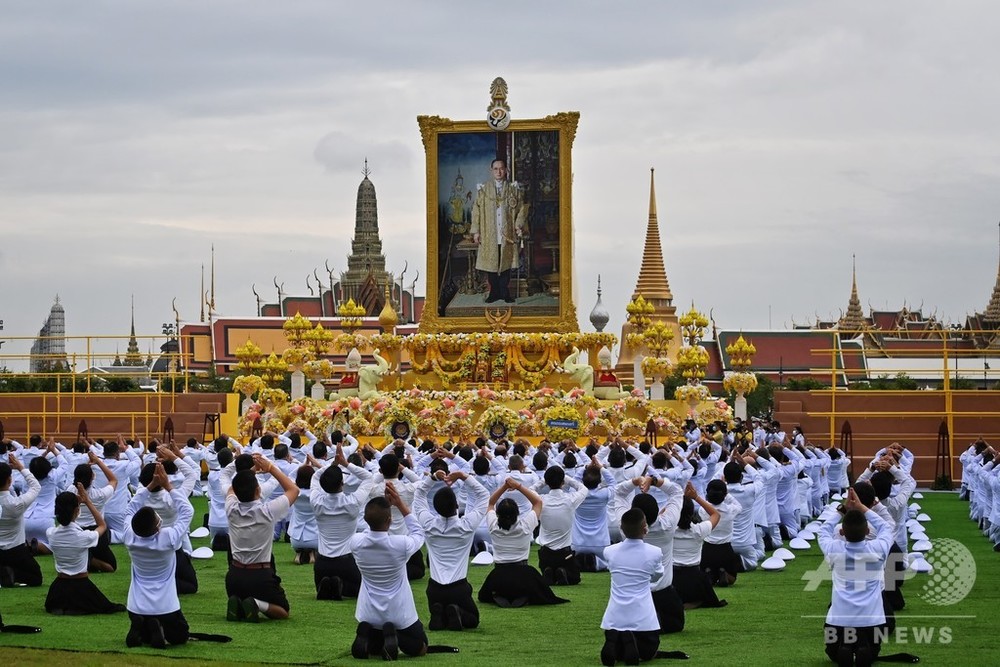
(852, 323)
(654, 288)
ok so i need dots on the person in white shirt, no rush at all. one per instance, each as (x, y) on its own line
(555, 534)
(590, 533)
(631, 628)
(690, 580)
(392, 469)
(857, 564)
(661, 525)
(744, 487)
(513, 582)
(449, 539)
(717, 555)
(182, 476)
(17, 564)
(252, 586)
(102, 558)
(218, 526)
(153, 605)
(72, 592)
(38, 518)
(386, 614)
(335, 573)
(302, 530)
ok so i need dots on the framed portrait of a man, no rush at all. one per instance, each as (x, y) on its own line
(499, 225)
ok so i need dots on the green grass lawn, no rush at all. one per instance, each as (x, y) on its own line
(770, 620)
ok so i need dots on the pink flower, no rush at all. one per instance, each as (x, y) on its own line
(252, 415)
(639, 393)
(329, 412)
(448, 403)
(426, 412)
(297, 409)
(591, 413)
(355, 403)
(415, 392)
(461, 412)
(525, 412)
(257, 407)
(576, 393)
(546, 391)
(380, 406)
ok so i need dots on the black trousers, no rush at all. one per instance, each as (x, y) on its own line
(103, 550)
(556, 558)
(415, 568)
(175, 626)
(261, 584)
(341, 566)
(184, 575)
(20, 560)
(647, 641)
(412, 640)
(835, 636)
(457, 593)
(499, 284)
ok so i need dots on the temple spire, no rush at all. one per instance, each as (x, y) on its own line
(132, 354)
(201, 294)
(992, 313)
(652, 282)
(853, 321)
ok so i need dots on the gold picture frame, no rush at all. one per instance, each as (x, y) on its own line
(451, 253)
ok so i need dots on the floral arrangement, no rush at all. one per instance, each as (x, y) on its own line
(739, 383)
(655, 367)
(690, 393)
(598, 426)
(498, 414)
(560, 411)
(392, 414)
(631, 428)
(318, 368)
(273, 397)
(248, 385)
(295, 357)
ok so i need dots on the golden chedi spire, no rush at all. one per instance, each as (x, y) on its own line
(653, 288)
(388, 317)
(992, 313)
(854, 320)
(652, 282)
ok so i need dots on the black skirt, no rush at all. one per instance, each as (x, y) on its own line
(693, 586)
(78, 597)
(514, 581)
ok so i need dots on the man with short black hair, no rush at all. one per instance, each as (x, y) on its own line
(556, 559)
(386, 614)
(449, 538)
(251, 583)
(153, 605)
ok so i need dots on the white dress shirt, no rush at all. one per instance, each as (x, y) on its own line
(449, 539)
(337, 513)
(386, 595)
(858, 569)
(251, 527)
(687, 543)
(558, 511)
(634, 566)
(153, 590)
(12, 509)
(514, 545)
(70, 545)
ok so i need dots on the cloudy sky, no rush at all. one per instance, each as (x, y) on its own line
(786, 136)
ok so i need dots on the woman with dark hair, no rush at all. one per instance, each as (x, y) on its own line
(690, 580)
(38, 518)
(72, 592)
(102, 558)
(302, 523)
(513, 582)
